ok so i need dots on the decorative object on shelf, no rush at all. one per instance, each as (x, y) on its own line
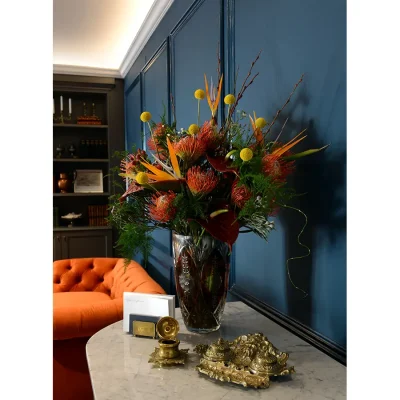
(64, 183)
(249, 360)
(89, 119)
(88, 181)
(59, 151)
(207, 184)
(71, 217)
(201, 277)
(72, 151)
(168, 352)
(98, 214)
(62, 118)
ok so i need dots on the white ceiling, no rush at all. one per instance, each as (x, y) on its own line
(102, 37)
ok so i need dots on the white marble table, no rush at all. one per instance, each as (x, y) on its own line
(119, 367)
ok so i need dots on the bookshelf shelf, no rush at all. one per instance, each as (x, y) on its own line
(85, 160)
(80, 126)
(79, 194)
(81, 228)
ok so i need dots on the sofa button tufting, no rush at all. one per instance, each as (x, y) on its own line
(69, 267)
(78, 279)
(91, 267)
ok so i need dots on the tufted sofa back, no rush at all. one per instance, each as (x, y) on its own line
(105, 275)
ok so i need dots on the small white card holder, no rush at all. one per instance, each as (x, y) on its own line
(150, 305)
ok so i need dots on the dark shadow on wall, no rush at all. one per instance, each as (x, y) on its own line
(319, 178)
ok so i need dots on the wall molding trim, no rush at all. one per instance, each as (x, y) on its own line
(149, 25)
(86, 71)
(302, 331)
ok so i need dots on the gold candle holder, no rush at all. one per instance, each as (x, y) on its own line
(168, 352)
(61, 118)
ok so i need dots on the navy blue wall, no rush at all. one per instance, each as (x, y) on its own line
(295, 37)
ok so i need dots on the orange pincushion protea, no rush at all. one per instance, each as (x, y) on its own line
(201, 182)
(276, 167)
(162, 209)
(240, 194)
(209, 136)
(189, 148)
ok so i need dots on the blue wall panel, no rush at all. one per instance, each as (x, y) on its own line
(199, 58)
(310, 39)
(296, 37)
(155, 93)
(133, 125)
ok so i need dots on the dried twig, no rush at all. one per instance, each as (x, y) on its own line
(244, 86)
(280, 110)
(283, 126)
(240, 94)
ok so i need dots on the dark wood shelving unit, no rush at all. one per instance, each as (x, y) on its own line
(104, 98)
(79, 126)
(80, 194)
(81, 228)
(85, 160)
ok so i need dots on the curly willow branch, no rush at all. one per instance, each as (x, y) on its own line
(301, 244)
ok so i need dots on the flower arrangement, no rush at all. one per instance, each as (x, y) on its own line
(211, 178)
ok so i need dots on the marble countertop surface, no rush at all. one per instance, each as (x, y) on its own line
(119, 367)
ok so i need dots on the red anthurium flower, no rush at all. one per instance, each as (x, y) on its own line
(133, 187)
(223, 227)
(162, 209)
(201, 182)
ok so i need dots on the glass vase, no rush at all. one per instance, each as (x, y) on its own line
(201, 272)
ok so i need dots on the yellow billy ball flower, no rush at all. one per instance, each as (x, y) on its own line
(142, 178)
(260, 123)
(145, 116)
(246, 154)
(229, 99)
(193, 129)
(199, 94)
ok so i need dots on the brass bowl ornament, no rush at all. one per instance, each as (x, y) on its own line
(249, 360)
(168, 352)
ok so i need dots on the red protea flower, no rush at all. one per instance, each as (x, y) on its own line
(209, 136)
(240, 194)
(162, 209)
(276, 167)
(132, 162)
(189, 148)
(154, 142)
(201, 182)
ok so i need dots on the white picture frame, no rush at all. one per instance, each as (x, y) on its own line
(88, 181)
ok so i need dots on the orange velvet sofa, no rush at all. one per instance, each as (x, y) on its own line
(87, 296)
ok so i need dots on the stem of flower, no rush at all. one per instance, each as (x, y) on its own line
(198, 112)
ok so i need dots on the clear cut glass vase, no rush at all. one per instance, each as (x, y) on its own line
(201, 272)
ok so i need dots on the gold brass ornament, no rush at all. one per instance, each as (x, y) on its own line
(168, 352)
(249, 360)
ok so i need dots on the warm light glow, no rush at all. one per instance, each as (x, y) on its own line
(95, 33)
